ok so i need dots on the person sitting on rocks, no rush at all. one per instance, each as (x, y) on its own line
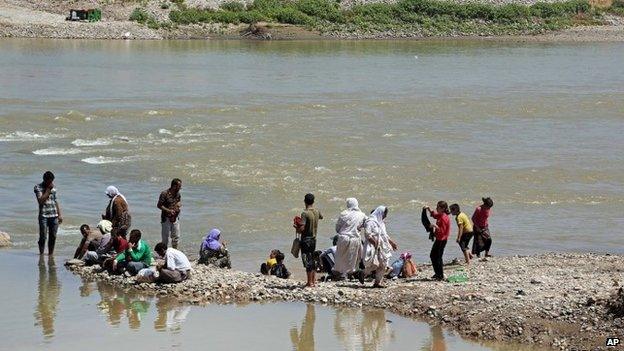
(136, 257)
(105, 248)
(176, 267)
(279, 269)
(327, 260)
(90, 241)
(266, 267)
(213, 252)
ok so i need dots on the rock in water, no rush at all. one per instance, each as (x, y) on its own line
(74, 262)
(5, 239)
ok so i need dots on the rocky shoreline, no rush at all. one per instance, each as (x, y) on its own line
(563, 301)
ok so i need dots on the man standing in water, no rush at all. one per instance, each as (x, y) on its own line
(169, 204)
(49, 212)
(310, 217)
(483, 238)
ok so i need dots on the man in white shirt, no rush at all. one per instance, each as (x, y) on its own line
(177, 266)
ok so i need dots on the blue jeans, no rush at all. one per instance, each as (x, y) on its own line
(48, 226)
(132, 267)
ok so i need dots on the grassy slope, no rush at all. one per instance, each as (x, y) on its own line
(410, 17)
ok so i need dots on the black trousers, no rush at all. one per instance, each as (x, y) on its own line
(437, 251)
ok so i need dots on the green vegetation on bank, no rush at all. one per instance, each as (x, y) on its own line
(429, 17)
(617, 8)
(419, 17)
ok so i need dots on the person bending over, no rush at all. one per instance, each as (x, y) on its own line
(90, 241)
(177, 266)
(105, 248)
(279, 269)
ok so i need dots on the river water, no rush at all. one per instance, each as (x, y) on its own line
(250, 127)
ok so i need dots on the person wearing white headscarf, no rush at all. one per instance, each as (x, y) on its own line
(117, 212)
(378, 245)
(349, 249)
(104, 249)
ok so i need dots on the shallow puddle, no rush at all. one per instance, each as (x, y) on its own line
(47, 307)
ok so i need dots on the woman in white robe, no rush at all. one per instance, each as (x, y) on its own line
(349, 248)
(378, 245)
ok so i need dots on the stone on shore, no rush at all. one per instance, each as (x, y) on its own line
(5, 239)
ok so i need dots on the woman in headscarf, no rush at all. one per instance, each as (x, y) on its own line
(117, 212)
(214, 252)
(378, 245)
(349, 248)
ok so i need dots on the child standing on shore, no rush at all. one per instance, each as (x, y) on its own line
(442, 230)
(464, 231)
(483, 238)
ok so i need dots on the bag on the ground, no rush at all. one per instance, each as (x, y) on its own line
(409, 269)
(147, 275)
(296, 246)
(397, 267)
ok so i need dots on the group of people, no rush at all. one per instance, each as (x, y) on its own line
(120, 250)
(361, 247)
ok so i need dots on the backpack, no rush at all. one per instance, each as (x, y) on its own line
(409, 269)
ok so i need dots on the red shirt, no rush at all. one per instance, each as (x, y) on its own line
(444, 225)
(480, 217)
(120, 244)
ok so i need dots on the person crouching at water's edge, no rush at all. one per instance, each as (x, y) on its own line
(136, 257)
(309, 218)
(49, 212)
(169, 204)
(213, 252)
(442, 230)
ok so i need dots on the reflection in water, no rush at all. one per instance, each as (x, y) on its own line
(304, 338)
(115, 303)
(362, 330)
(437, 342)
(171, 315)
(48, 290)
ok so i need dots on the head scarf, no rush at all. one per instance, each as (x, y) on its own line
(212, 240)
(406, 256)
(105, 226)
(113, 192)
(377, 217)
(352, 204)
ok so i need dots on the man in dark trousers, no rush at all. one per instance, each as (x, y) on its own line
(49, 212)
(310, 217)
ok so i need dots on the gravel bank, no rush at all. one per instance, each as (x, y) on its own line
(563, 301)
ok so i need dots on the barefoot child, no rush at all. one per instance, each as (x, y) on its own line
(464, 231)
(442, 230)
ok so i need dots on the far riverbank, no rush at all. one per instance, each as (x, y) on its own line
(565, 301)
(485, 20)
